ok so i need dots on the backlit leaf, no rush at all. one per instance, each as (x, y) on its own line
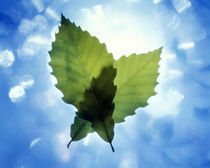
(136, 79)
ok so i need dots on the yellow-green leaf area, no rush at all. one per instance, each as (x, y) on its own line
(135, 80)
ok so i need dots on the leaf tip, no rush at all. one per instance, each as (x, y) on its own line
(161, 48)
(63, 18)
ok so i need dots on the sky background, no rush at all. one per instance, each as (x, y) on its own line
(171, 132)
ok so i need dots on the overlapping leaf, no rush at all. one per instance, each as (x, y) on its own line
(103, 90)
(78, 60)
(136, 79)
(98, 105)
(76, 57)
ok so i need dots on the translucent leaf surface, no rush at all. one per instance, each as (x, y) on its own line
(76, 57)
(136, 79)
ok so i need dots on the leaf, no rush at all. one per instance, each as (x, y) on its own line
(77, 60)
(136, 79)
(98, 105)
(79, 129)
(76, 57)
(88, 79)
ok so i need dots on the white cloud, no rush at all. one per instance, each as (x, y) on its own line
(181, 5)
(38, 4)
(27, 81)
(38, 39)
(164, 104)
(26, 26)
(39, 23)
(16, 93)
(27, 50)
(33, 45)
(34, 142)
(52, 95)
(186, 45)
(6, 58)
(52, 13)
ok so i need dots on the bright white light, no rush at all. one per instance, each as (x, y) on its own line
(52, 13)
(6, 58)
(34, 142)
(38, 4)
(181, 5)
(16, 93)
(123, 34)
(53, 79)
(87, 140)
(186, 45)
(53, 32)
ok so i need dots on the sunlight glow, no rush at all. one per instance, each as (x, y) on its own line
(123, 34)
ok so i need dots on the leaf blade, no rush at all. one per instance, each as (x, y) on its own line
(79, 129)
(100, 113)
(70, 57)
(135, 81)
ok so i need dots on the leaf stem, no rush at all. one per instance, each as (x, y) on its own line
(69, 143)
(111, 146)
(110, 142)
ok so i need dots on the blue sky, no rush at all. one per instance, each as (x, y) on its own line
(171, 132)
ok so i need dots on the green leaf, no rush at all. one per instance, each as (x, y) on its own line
(87, 77)
(136, 79)
(98, 105)
(76, 57)
(77, 60)
(79, 129)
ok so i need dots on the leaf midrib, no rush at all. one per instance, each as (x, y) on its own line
(88, 80)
